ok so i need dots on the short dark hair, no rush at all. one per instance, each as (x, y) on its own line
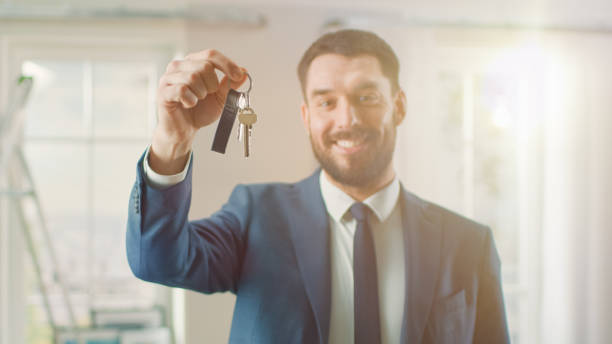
(351, 42)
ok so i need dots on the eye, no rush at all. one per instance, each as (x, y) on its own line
(325, 103)
(369, 99)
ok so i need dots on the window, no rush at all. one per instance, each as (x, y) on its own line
(88, 121)
(472, 142)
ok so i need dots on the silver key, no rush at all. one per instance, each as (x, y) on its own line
(247, 118)
(240, 129)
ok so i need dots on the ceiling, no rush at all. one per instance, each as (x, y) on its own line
(590, 14)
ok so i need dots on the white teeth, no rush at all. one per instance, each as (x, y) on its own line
(347, 143)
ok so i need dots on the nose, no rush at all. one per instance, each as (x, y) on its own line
(346, 115)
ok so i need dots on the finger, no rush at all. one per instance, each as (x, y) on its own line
(173, 66)
(210, 81)
(206, 70)
(235, 84)
(193, 79)
(179, 93)
(187, 97)
(200, 75)
(221, 94)
(224, 86)
(190, 65)
(220, 61)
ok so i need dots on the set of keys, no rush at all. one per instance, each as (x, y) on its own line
(237, 103)
(246, 118)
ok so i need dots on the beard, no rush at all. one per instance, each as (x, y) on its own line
(364, 168)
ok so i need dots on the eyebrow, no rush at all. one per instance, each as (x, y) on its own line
(366, 85)
(320, 92)
(360, 87)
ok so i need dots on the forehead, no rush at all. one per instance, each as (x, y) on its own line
(333, 71)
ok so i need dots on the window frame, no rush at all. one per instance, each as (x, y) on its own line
(20, 42)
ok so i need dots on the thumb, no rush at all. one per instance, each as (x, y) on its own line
(235, 84)
(224, 86)
(223, 90)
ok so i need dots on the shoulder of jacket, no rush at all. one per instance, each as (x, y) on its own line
(449, 220)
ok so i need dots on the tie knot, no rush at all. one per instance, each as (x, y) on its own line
(359, 211)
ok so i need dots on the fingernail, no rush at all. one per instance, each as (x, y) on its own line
(193, 99)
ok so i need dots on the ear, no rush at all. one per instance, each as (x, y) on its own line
(305, 114)
(399, 104)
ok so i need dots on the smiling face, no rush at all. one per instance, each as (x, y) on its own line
(351, 115)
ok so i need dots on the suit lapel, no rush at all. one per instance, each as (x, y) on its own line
(309, 232)
(422, 240)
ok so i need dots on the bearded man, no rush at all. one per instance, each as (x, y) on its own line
(345, 256)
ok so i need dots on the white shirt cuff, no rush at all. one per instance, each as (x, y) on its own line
(160, 181)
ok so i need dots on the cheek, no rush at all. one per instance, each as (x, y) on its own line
(320, 126)
(380, 119)
(376, 116)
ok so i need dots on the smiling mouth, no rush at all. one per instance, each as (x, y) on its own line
(349, 143)
(347, 146)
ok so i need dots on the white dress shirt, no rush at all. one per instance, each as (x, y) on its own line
(160, 181)
(388, 244)
(389, 247)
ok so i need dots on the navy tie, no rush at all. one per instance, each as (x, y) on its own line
(367, 323)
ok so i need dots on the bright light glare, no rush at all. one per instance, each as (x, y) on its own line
(522, 75)
(43, 77)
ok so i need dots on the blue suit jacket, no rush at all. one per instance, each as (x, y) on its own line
(269, 245)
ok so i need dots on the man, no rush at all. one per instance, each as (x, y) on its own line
(346, 255)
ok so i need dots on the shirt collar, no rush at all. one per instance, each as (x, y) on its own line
(338, 202)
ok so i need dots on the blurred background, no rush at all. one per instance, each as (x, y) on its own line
(509, 122)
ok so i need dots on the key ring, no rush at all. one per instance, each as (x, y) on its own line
(245, 95)
(236, 103)
(250, 83)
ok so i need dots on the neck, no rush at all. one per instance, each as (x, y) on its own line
(362, 192)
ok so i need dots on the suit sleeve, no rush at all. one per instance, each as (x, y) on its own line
(164, 247)
(491, 324)
(160, 181)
